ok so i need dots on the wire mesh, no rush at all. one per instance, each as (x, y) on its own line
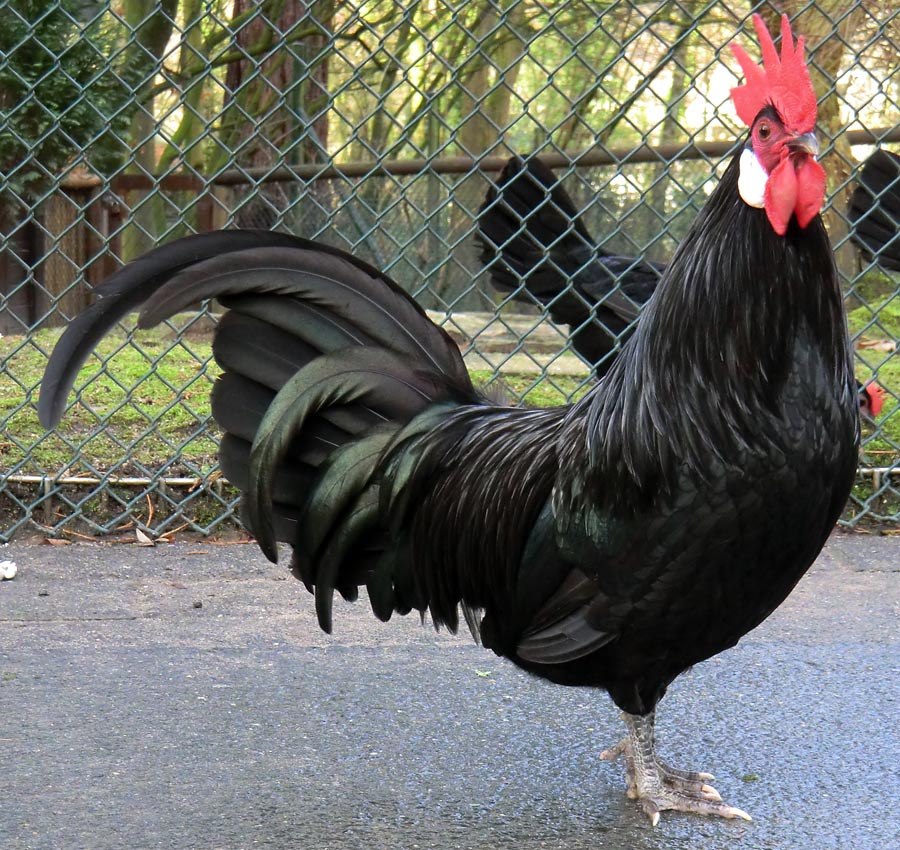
(376, 127)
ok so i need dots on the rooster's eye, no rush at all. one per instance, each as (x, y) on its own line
(764, 131)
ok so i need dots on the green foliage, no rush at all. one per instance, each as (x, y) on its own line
(59, 97)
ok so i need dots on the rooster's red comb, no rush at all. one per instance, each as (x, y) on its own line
(782, 82)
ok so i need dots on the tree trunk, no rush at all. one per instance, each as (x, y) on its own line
(670, 131)
(140, 61)
(268, 92)
(266, 118)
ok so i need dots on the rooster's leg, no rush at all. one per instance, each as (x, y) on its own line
(659, 787)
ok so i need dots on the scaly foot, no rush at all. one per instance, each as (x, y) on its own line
(659, 787)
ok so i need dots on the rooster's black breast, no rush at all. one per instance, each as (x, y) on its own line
(646, 593)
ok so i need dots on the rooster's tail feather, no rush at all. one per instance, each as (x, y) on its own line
(530, 232)
(875, 209)
(325, 363)
(537, 249)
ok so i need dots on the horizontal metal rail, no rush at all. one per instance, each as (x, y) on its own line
(666, 153)
(94, 481)
(49, 481)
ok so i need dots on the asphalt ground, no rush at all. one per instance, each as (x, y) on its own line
(182, 697)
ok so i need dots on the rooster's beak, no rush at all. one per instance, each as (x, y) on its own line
(807, 143)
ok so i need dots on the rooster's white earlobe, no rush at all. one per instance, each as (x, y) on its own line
(752, 180)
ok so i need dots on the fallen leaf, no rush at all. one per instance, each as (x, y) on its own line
(142, 539)
(877, 344)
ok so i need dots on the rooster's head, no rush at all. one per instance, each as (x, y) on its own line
(779, 172)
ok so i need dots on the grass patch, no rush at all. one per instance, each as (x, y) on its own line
(160, 423)
(530, 390)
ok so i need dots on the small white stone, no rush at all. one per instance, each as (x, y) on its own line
(8, 570)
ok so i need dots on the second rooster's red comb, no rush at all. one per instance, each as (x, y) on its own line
(782, 81)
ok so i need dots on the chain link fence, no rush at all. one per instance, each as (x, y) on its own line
(377, 127)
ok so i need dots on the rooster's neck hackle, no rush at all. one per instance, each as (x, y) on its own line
(716, 344)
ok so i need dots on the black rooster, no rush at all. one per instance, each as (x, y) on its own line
(875, 209)
(612, 543)
(537, 249)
